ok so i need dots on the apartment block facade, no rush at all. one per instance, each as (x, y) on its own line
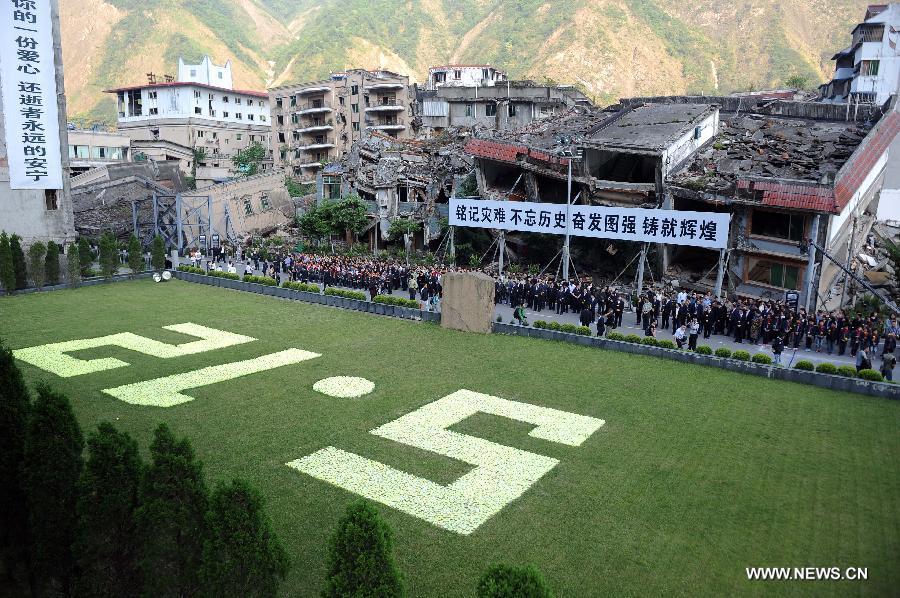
(316, 122)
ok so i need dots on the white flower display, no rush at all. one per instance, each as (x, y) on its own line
(52, 357)
(167, 391)
(501, 475)
(344, 387)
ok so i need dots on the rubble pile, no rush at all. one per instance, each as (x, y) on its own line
(754, 145)
(574, 123)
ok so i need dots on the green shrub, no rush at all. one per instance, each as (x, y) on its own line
(301, 286)
(401, 302)
(503, 581)
(554, 326)
(89, 273)
(723, 352)
(583, 331)
(632, 338)
(264, 280)
(333, 292)
(666, 344)
(228, 275)
(649, 340)
(806, 366)
(871, 375)
(615, 336)
(826, 368)
(568, 328)
(540, 324)
(191, 269)
(704, 350)
(499, 319)
(847, 371)
(741, 355)
(761, 358)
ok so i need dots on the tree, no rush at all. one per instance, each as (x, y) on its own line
(158, 253)
(360, 562)
(135, 258)
(504, 581)
(7, 272)
(242, 555)
(314, 224)
(53, 465)
(800, 82)
(468, 187)
(18, 258)
(348, 214)
(403, 226)
(171, 517)
(14, 408)
(109, 255)
(297, 189)
(51, 263)
(73, 263)
(107, 544)
(199, 156)
(36, 256)
(85, 255)
(247, 160)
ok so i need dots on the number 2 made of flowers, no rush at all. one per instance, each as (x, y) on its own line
(53, 357)
(502, 473)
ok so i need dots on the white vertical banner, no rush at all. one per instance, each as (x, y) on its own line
(28, 75)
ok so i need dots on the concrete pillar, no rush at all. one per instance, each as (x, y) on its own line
(809, 302)
(720, 276)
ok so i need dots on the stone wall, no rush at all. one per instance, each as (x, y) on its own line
(468, 301)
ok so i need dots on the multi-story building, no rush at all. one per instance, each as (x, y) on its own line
(169, 120)
(868, 71)
(317, 122)
(92, 148)
(464, 75)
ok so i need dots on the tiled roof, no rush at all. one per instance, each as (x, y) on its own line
(851, 177)
(509, 152)
(794, 197)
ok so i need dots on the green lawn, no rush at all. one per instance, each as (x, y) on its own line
(697, 474)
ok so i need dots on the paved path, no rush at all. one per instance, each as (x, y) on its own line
(629, 327)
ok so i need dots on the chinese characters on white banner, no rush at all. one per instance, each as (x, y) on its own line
(28, 75)
(673, 227)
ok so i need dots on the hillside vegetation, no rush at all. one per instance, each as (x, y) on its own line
(610, 48)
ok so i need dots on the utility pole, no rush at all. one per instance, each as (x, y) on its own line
(565, 249)
(811, 265)
(720, 275)
(501, 252)
(640, 270)
(849, 258)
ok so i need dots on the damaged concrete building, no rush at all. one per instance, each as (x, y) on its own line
(786, 171)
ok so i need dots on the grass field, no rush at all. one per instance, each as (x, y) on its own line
(697, 473)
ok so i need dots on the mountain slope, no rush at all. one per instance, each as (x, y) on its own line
(610, 48)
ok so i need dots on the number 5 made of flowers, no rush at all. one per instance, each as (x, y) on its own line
(501, 473)
(53, 357)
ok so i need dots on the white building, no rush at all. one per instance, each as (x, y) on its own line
(167, 121)
(89, 149)
(868, 71)
(464, 75)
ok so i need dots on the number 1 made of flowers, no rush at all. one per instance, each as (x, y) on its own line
(52, 357)
(502, 473)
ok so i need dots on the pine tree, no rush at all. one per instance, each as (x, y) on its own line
(504, 581)
(109, 255)
(135, 259)
(360, 562)
(53, 466)
(18, 260)
(107, 544)
(36, 256)
(7, 273)
(242, 555)
(51, 263)
(85, 255)
(14, 408)
(73, 262)
(171, 517)
(158, 253)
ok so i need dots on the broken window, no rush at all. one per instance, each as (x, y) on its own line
(151, 95)
(198, 110)
(777, 225)
(281, 138)
(293, 101)
(278, 103)
(250, 117)
(356, 126)
(773, 273)
(248, 207)
(341, 100)
(490, 109)
(264, 202)
(224, 115)
(511, 109)
(470, 109)
(50, 200)
(354, 108)
(354, 89)
(869, 68)
(154, 111)
(238, 116)
(457, 74)
(201, 133)
(237, 100)
(239, 136)
(280, 119)
(366, 99)
(225, 99)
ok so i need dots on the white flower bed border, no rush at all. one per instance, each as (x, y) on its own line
(501, 475)
(52, 357)
(344, 387)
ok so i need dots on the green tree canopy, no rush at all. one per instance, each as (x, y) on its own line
(247, 160)
(7, 272)
(18, 258)
(85, 255)
(51, 263)
(109, 255)
(36, 261)
(242, 555)
(360, 559)
(158, 253)
(73, 265)
(135, 259)
(403, 226)
(504, 581)
(314, 223)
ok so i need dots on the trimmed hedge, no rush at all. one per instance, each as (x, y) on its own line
(265, 280)
(848, 371)
(191, 269)
(871, 375)
(649, 340)
(723, 352)
(741, 355)
(540, 324)
(301, 286)
(615, 336)
(554, 326)
(220, 274)
(584, 331)
(806, 366)
(826, 368)
(704, 350)
(568, 328)
(666, 344)
(359, 296)
(761, 358)
(398, 301)
(633, 338)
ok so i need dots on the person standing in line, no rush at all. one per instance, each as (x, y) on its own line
(692, 337)
(777, 348)
(888, 361)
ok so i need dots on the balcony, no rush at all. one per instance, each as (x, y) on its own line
(310, 90)
(384, 86)
(868, 33)
(385, 108)
(317, 144)
(314, 129)
(387, 127)
(309, 165)
(312, 109)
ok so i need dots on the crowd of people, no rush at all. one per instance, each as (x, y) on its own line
(689, 315)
